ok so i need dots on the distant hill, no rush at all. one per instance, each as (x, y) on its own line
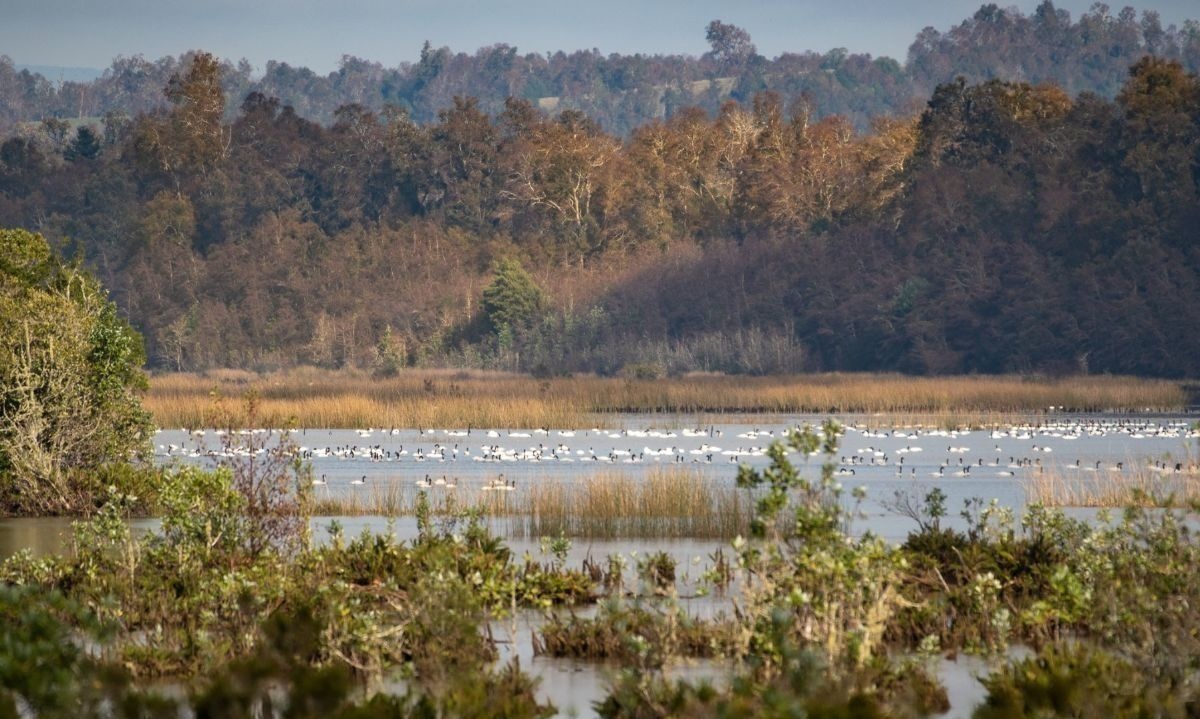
(57, 73)
(1090, 52)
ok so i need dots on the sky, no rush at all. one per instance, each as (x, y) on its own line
(317, 33)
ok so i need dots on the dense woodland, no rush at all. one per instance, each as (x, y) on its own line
(1004, 227)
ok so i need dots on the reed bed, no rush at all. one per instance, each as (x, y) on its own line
(1115, 490)
(665, 503)
(456, 398)
(392, 499)
(346, 400)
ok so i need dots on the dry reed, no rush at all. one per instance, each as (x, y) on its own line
(393, 499)
(664, 503)
(1114, 490)
(457, 398)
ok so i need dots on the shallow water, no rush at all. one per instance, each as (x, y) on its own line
(975, 464)
(571, 685)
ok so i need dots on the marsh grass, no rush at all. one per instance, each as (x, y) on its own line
(391, 499)
(459, 398)
(312, 398)
(664, 503)
(1114, 490)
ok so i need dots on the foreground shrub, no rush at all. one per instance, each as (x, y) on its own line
(803, 686)
(70, 376)
(828, 591)
(1082, 680)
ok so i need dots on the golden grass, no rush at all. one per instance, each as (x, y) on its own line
(1114, 490)
(455, 398)
(394, 499)
(664, 503)
(313, 398)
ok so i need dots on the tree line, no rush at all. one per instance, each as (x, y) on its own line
(1008, 227)
(624, 92)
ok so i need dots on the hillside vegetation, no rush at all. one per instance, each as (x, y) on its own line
(1007, 227)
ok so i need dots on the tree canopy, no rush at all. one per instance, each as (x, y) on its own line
(1085, 53)
(1008, 227)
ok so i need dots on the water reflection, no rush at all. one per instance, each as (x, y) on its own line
(40, 535)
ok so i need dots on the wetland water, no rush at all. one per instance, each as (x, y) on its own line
(984, 464)
(571, 685)
(964, 464)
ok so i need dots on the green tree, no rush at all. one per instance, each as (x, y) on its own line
(731, 45)
(513, 299)
(85, 146)
(391, 355)
(70, 371)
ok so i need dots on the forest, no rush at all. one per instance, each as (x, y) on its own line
(1042, 224)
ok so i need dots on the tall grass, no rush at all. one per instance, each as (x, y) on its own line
(664, 503)
(455, 398)
(391, 499)
(315, 398)
(1114, 490)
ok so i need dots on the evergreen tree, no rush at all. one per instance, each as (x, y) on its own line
(513, 300)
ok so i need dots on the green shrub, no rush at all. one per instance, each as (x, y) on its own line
(70, 374)
(1081, 680)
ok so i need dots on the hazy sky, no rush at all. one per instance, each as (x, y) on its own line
(316, 33)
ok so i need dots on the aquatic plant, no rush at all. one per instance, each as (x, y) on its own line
(645, 634)
(664, 503)
(829, 591)
(804, 685)
(1114, 489)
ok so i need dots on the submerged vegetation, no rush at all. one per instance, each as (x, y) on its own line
(450, 398)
